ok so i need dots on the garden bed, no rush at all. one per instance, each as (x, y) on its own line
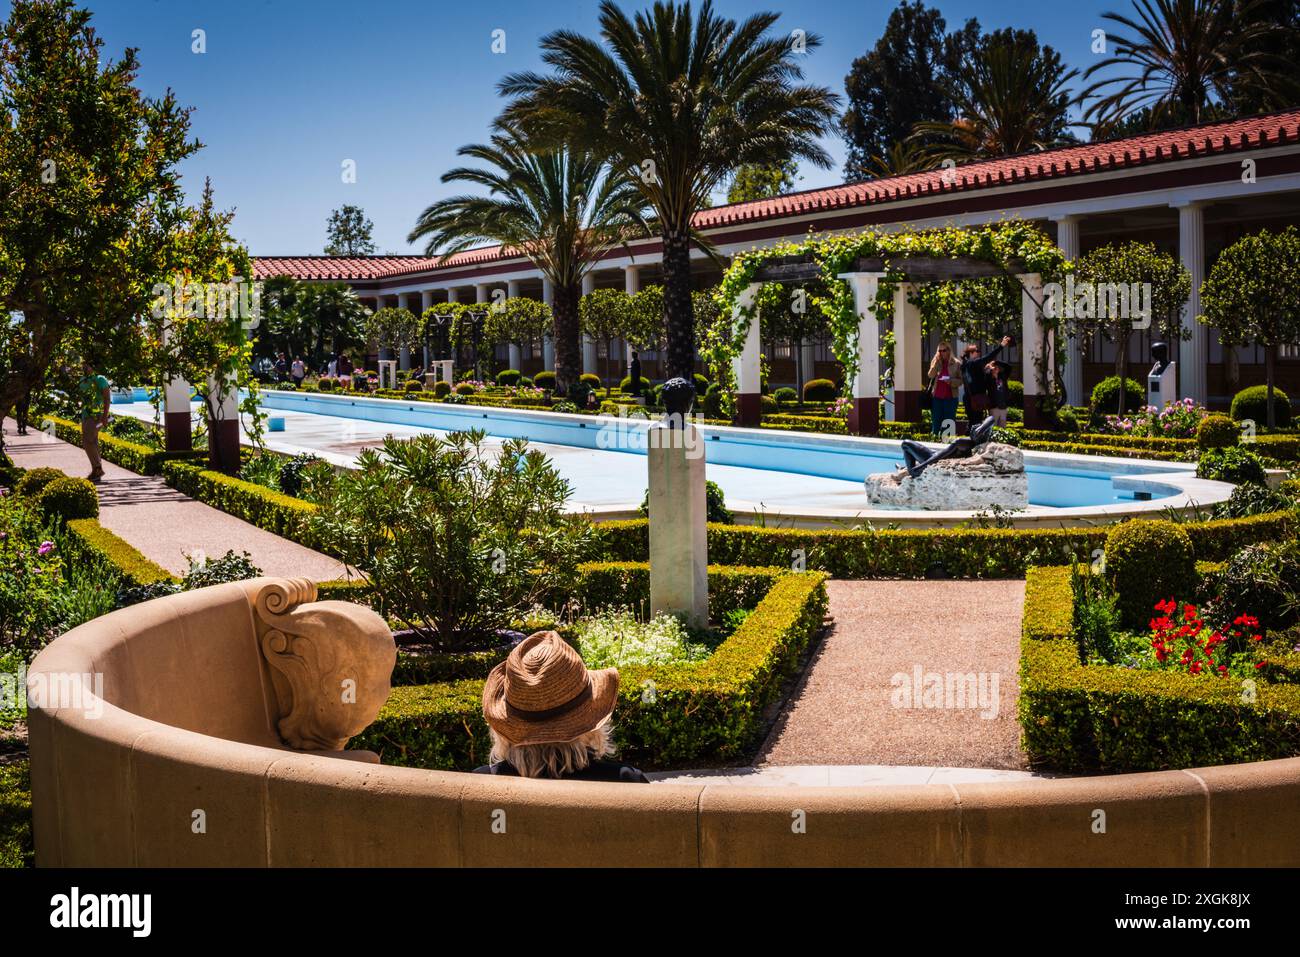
(1105, 718)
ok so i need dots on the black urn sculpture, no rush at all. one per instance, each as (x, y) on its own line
(678, 397)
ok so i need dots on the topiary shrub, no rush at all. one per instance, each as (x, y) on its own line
(414, 385)
(769, 404)
(1105, 396)
(1252, 403)
(1236, 465)
(1217, 432)
(819, 390)
(1147, 562)
(325, 385)
(464, 388)
(590, 379)
(1015, 394)
(625, 385)
(68, 499)
(785, 394)
(712, 405)
(442, 389)
(508, 377)
(525, 382)
(545, 380)
(1068, 421)
(35, 480)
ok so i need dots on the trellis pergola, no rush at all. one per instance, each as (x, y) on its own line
(864, 280)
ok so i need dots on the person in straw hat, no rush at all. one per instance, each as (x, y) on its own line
(549, 717)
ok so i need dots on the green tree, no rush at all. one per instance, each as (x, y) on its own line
(762, 182)
(1114, 317)
(606, 313)
(1010, 96)
(392, 329)
(906, 79)
(348, 233)
(1179, 56)
(1252, 295)
(679, 101)
(562, 208)
(92, 213)
(517, 320)
(335, 316)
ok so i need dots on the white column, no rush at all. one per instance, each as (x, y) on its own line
(548, 342)
(864, 418)
(1193, 354)
(746, 368)
(1067, 238)
(809, 351)
(589, 344)
(516, 353)
(909, 363)
(453, 294)
(1034, 344)
(482, 292)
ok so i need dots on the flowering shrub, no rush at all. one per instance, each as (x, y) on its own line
(840, 407)
(1184, 643)
(31, 578)
(1177, 420)
(616, 639)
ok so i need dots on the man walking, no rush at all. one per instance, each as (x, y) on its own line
(93, 394)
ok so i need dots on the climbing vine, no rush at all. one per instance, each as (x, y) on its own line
(944, 306)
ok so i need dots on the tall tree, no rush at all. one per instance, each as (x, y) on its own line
(92, 213)
(679, 101)
(904, 80)
(1252, 295)
(1010, 94)
(348, 233)
(1181, 56)
(762, 182)
(562, 209)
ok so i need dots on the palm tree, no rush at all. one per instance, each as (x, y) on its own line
(1011, 97)
(334, 316)
(902, 157)
(680, 102)
(1184, 53)
(562, 209)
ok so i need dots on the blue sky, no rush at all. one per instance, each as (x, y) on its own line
(290, 89)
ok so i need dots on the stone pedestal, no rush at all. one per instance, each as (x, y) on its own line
(387, 374)
(679, 553)
(995, 475)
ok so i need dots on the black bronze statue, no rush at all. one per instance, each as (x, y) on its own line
(919, 458)
(678, 396)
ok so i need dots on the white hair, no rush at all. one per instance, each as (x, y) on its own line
(554, 760)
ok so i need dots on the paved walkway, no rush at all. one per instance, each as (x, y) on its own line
(920, 673)
(166, 525)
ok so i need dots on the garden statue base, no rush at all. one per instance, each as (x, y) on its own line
(993, 476)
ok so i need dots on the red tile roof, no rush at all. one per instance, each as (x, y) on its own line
(1166, 146)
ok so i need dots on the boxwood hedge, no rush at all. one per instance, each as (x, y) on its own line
(1081, 718)
(129, 455)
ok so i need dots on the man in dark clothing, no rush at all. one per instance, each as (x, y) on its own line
(634, 372)
(975, 381)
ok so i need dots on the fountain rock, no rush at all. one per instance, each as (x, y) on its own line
(994, 475)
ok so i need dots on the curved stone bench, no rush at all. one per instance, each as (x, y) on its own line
(204, 728)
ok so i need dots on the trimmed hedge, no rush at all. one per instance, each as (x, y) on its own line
(69, 498)
(93, 545)
(710, 710)
(273, 511)
(130, 455)
(911, 553)
(1252, 403)
(1097, 718)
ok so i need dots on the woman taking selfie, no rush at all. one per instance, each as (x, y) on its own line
(945, 380)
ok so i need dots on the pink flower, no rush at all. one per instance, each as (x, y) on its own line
(45, 549)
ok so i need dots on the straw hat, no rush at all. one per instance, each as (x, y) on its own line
(544, 694)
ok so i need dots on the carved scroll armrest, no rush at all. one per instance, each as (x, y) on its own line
(331, 663)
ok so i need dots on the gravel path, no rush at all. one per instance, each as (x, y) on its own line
(890, 638)
(164, 524)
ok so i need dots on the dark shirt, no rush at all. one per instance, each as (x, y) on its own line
(599, 770)
(635, 374)
(973, 375)
(999, 393)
